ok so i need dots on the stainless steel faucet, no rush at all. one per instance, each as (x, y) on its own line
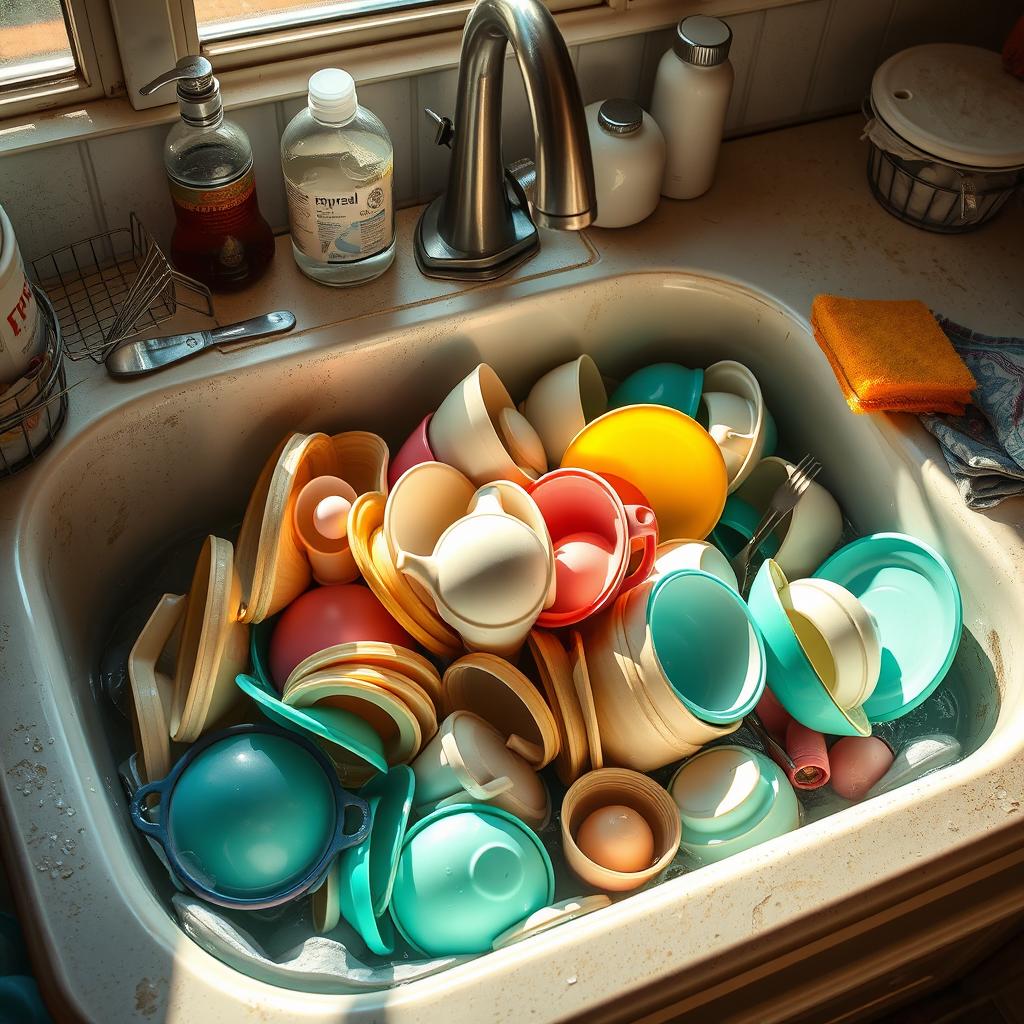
(480, 227)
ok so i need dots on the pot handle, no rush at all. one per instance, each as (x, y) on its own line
(349, 801)
(642, 526)
(154, 829)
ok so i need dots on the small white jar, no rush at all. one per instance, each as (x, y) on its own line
(629, 161)
(691, 95)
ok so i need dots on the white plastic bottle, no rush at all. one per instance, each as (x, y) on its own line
(338, 160)
(691, 95)
(629, 161)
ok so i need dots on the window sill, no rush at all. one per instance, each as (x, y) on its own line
(370, 63)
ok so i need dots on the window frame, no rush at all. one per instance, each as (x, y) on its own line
(97, 70)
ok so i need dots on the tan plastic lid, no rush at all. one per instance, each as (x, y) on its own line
(482, 757)
(953, 102)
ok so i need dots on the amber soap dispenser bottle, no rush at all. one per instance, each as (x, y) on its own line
(220, 236)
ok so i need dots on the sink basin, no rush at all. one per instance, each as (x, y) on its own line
(908, 879)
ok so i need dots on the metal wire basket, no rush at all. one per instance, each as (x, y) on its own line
(910, 190)
(110, 286)
(34, 409)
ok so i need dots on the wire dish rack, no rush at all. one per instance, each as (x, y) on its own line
(34, 409)
(113, 285)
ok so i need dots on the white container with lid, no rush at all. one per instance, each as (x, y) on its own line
(20, 333)
(337, 160)
(629, 161)
(691, 95)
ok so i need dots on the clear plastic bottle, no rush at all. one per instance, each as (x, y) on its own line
(338, 161)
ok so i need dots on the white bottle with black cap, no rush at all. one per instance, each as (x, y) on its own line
(629, 160)
(338, 161)
(691, 95)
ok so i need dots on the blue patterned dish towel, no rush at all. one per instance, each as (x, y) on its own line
(984, 448)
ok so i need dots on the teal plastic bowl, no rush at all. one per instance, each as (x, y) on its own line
(736, 526)
(791, 675)
(669, 384)
(367, 872)
(707, 644)
(915, 600)
(466, 874)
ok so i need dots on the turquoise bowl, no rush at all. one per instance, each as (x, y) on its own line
(914, 598)
(771, 435)
(669, 384)
(791, 675)
(367, 872)
(707, 644)
(736, 526)
(250, 817)
(466, 874)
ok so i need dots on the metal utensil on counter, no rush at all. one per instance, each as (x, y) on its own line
(145, 355)
(782, 503)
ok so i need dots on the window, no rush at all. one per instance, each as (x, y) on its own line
(54, 52)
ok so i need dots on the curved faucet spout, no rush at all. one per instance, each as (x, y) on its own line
(476, 229)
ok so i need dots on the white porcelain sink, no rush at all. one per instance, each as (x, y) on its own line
(902, 880)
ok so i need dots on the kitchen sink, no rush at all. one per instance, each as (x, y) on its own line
(909, 879)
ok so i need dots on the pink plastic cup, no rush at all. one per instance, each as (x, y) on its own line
(594, 536)
(415, 449)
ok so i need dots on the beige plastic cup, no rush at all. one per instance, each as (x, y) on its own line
(563, 402)
(465, 431)
(608, 787)
(840, 638)
(329, 556)
(694, 554)
(810, 534)
(468, 761)
(734, 378)
(731, 420)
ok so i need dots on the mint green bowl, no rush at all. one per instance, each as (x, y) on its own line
(791, 676)
(466, 874)
(366, 873)
(669, 384)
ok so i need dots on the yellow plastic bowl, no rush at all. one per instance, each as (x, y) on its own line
(667, 455)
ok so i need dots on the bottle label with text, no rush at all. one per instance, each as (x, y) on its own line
(342, 227)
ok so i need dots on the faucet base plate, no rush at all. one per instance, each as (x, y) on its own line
(436, 258)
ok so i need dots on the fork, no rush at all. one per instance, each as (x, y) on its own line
(782, 503)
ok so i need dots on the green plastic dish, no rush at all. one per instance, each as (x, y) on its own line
(669, 384)
(791, 675)
(707, 645)
(335, 725)
(467, 873)
(367, 872)
(915, 600)
(736, 526)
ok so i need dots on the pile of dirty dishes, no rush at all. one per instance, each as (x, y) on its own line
(381, 696)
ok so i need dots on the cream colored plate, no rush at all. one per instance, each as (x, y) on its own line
(585, 695)
(551, 917)
(271, 562)
(391, 718)
(500, 694)
(376, 654)
(555, 674)
(325, 903)
(362, 460)
(214, 645)
(152, 690)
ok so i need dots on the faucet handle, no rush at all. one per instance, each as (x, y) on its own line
(445, 128)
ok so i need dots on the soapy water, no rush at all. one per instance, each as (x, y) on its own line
(964, 707)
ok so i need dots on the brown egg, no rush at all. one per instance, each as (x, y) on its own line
(617, 838)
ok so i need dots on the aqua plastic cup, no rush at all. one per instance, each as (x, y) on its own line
(251, 817)
(707, 645)
(467, 874)
(730, 799)
(669, 384)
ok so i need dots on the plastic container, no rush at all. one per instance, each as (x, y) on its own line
(629, 162)
(692, 87)
(337, 160)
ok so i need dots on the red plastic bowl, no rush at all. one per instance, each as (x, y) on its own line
(414, 450)
(325, 616)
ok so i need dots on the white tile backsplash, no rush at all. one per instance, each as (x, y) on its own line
(611, 68)
(793, 62)
(785, 63)
(849, 53)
